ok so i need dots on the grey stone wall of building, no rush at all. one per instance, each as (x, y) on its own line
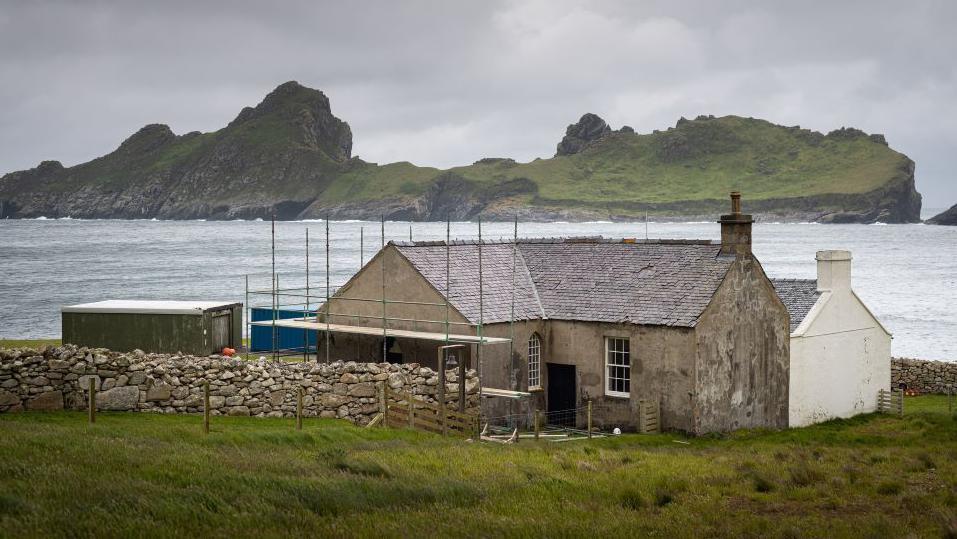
(924, 376)
(743, 355)
(58, 378)
(662, 360)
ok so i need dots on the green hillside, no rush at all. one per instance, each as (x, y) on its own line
(699, 159)
(290, 156)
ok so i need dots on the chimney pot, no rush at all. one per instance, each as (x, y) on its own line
(736, 229)
(735, 202)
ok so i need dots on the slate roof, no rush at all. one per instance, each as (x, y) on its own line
(798, 295)
(654, 282)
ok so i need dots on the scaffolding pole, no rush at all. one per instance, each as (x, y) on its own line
(327, 336)
(385, 352)
(276, 293)
(275, 285)
(362, 257)
(305, 307)
(275, 318)
(448, 281)
(511, 318)
(478, 349)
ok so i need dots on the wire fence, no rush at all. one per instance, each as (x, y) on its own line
(578, 421)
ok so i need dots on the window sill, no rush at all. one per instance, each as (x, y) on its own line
(618, 395)
(536, 389)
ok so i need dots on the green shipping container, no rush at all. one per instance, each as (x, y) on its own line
(192, 327)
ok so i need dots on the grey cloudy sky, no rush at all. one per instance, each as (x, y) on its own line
(445, 83)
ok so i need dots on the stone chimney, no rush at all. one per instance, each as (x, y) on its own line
(833, 270)
(736, 229)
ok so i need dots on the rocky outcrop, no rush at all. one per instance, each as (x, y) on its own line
(273, 159)
(588, 129)
(948, 218)
(923, 376)
(291, 157)
(59, 378)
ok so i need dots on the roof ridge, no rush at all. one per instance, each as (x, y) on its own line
(555, 240)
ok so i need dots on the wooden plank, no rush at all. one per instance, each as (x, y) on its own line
(399, 417)
(464, 417)
(424, 422)
(509, 394)
(396, 424)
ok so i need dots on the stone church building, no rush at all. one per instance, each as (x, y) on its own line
(693, 325)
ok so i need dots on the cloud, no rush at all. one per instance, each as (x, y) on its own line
(446, 83)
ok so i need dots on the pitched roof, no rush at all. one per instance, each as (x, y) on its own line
(798, 295)
(655, 282)
(429, 258)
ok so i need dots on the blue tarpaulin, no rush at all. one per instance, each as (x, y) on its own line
(291, 339)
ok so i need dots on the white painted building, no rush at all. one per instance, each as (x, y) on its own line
(840, 352)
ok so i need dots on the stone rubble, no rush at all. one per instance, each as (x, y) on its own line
(58, 378)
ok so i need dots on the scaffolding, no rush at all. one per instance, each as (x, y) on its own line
(317, 318)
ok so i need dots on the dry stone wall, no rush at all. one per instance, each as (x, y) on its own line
(58, 378)
(924, 376)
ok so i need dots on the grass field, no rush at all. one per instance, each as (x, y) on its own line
(139, 474)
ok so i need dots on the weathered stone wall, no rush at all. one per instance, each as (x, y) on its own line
(742, 367)
(924, 376)
(58, 378)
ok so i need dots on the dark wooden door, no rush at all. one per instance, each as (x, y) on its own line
(222, 330)
(561, 393)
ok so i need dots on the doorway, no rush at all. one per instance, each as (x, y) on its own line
(222, 331)
(561, 394)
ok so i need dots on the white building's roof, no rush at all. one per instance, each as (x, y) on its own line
(147, 306)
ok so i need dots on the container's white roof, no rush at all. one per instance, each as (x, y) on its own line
(147, 306)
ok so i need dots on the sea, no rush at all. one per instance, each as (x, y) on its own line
(906, 274)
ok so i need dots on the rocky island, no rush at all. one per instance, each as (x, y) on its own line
(948, 217)
(291, 157)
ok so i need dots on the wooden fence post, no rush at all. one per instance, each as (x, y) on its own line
(92, 397)
(589, 418)
(299, 408)
(205, 407)
(537, 423)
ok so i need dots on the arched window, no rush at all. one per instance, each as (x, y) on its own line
(534, 361)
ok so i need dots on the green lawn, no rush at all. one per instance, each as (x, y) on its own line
(139, 474)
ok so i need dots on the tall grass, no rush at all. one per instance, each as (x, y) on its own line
(140, 474)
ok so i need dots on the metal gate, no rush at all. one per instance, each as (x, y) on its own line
(222, 324)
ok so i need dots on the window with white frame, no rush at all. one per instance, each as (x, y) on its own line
(617, 367)
(534, 362)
